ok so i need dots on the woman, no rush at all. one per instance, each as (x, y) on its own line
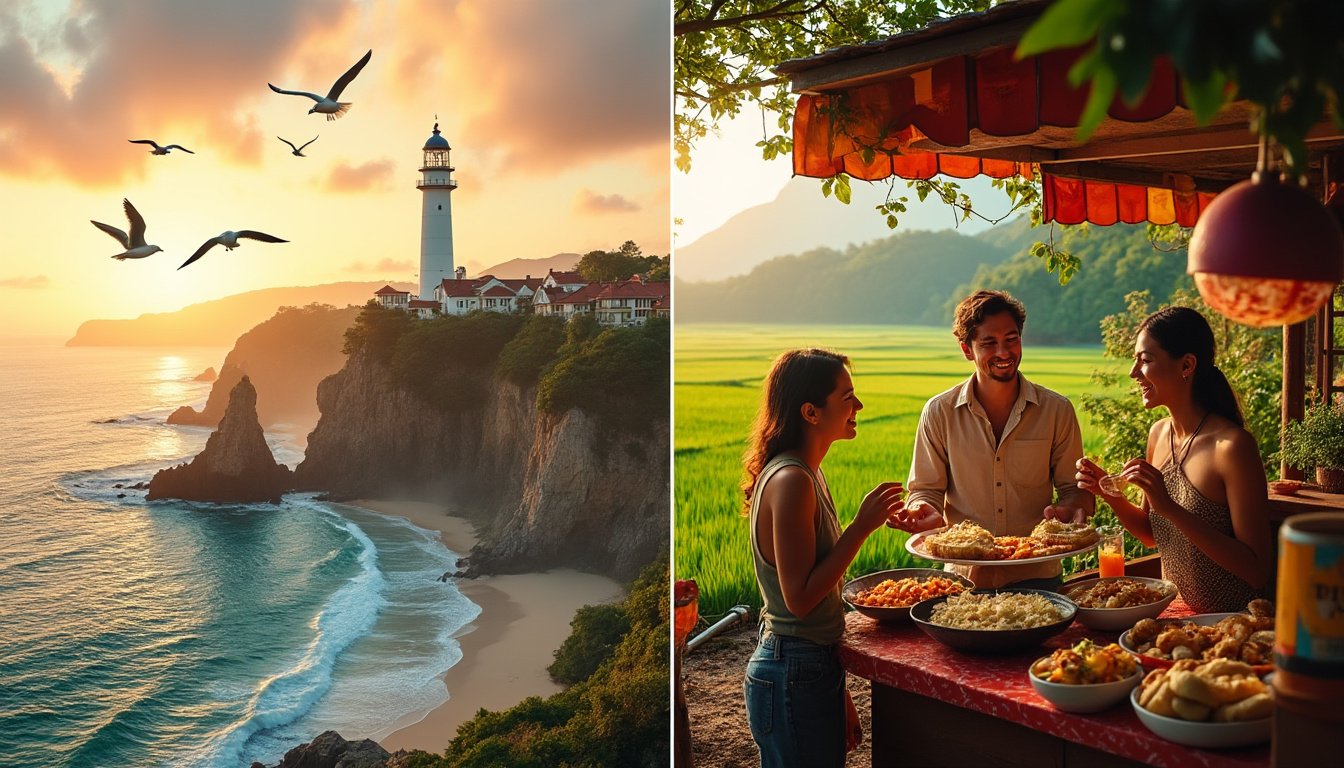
(797, 705)
(1204, 491)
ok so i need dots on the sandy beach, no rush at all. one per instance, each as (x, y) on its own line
(505, 651)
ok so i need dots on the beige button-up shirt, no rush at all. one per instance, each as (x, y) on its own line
(1005, 487)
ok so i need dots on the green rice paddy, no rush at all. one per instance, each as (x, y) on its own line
(718, 374)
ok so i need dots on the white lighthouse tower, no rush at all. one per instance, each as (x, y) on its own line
(436, 214)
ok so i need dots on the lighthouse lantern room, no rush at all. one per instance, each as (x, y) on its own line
(436, 214)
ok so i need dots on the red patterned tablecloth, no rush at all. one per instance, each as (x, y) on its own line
(902, 656)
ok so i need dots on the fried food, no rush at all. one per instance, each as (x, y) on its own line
(1002, 611)
(1115, 593)
(1240, 637)
(963, 541)
(891, 593)
(1220, 690)
(1086, 663)
(1053, 533)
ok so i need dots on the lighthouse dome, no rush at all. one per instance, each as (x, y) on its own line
(436, 141)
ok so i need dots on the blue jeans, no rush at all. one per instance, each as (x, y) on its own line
(795, 692)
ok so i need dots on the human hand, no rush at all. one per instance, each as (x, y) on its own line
(1065, 514)
(1149, 480)
(879, 506)
(853, 726)
(1089, 476)
(917, 517)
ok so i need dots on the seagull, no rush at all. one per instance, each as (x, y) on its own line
(328, 105)
(134, 243)
(157, 150)
(298, 151)
(230, 241)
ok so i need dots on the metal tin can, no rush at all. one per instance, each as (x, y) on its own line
(1309, 622)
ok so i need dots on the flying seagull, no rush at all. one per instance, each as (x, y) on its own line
(134, 243)
(298, 151)
(328, 105)
(230, 241)
(157, 150)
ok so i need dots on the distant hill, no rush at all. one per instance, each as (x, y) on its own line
(219, 322)
(515, 269)
(800, 219)
(918, 277)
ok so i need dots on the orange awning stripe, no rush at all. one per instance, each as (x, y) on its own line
(867, 131)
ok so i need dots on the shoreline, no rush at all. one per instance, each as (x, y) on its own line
(506, 649)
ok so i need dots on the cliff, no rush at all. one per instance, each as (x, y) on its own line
(236, 464)
(285, 357)
(550, 490)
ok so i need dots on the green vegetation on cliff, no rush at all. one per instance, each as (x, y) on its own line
(617, 715)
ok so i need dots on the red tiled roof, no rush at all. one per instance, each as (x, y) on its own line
(458, 288)
(583, 295)
(517, 284)
(634, 289)
(497, 290)
(565, 277)
(388, 290)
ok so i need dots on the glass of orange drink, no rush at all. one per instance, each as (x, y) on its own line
(1111, 551)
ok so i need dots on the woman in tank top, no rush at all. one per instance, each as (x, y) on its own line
(797, 705)
(1204, 492)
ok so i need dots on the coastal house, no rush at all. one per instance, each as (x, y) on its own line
(390, 298)
(461, 295)
(555, 302)
(568, 282)
(631, 302)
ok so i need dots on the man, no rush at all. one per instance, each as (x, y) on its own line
(996, 448)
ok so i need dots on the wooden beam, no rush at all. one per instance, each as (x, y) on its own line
(1294, 384)
(1208, 140)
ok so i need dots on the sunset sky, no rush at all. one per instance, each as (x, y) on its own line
(557, 113)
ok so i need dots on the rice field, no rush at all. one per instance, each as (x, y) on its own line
(718, 374)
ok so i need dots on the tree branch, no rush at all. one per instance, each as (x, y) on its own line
(711, 23)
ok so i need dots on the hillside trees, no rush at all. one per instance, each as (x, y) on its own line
(621, 264)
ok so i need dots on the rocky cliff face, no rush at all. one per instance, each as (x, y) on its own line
(236, 464)
(550, 490)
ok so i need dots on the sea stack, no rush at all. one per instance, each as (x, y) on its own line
(236, 465)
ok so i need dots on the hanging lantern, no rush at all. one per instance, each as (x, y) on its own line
(1266, 252)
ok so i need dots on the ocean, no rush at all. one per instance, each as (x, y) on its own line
(190, 634)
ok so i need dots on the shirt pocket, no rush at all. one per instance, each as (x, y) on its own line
(1029, 465)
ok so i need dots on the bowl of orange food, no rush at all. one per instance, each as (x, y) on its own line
(888, 595)
(1115, 604)
(1085, 678)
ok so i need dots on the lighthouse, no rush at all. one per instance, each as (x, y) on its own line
(436, 186)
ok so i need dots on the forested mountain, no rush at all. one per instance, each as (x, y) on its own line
(918, 277)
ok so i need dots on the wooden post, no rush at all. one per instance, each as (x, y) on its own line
(1294, 384)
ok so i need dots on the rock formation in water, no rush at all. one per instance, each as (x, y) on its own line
(236, 465)
(285, 357)
(207, 375)
(548, 490)
(329, 750)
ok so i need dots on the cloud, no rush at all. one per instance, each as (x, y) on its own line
(382, 267)
(554, 85)
(356, 178)
(179, 71)
(588, 201)
(36, 282)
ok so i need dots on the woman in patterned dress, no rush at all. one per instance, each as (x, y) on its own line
(1205, 501)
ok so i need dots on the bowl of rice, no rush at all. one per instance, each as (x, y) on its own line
(994, 621)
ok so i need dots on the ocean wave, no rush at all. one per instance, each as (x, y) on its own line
(285, 697)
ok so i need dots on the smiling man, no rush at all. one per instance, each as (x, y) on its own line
(996, 449)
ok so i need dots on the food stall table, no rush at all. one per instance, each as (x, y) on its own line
(933, 705)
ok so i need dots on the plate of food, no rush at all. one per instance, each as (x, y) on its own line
(967, 543)
(1246, 637)
(888, 595)
(994, 621)
(1117, 603)
(1217, 703)
(1085, 678)
(1286, 487)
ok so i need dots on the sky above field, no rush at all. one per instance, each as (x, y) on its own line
(557, 114)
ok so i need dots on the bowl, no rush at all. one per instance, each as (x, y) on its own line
(990, 640)
(1197, 734)
(902, 614)
(1121, 619)
(1084, 699)
(1204, 619)
(1286, 487)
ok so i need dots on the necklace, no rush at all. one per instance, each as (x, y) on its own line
(1185, 446)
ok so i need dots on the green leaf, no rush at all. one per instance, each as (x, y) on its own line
(1207, 97)
(1066, 23)
(842, 188)
(826, 186)
(1098, 102)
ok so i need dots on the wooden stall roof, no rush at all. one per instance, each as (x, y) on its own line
(951, 98)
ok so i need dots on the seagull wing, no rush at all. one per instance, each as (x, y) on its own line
(312, 96)
(291, 144)
(179, 146)
(137, 233)
(150, 142)
(114, 232)
(207, 245)
(262, 236)
(349, 75)
(310, 141)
